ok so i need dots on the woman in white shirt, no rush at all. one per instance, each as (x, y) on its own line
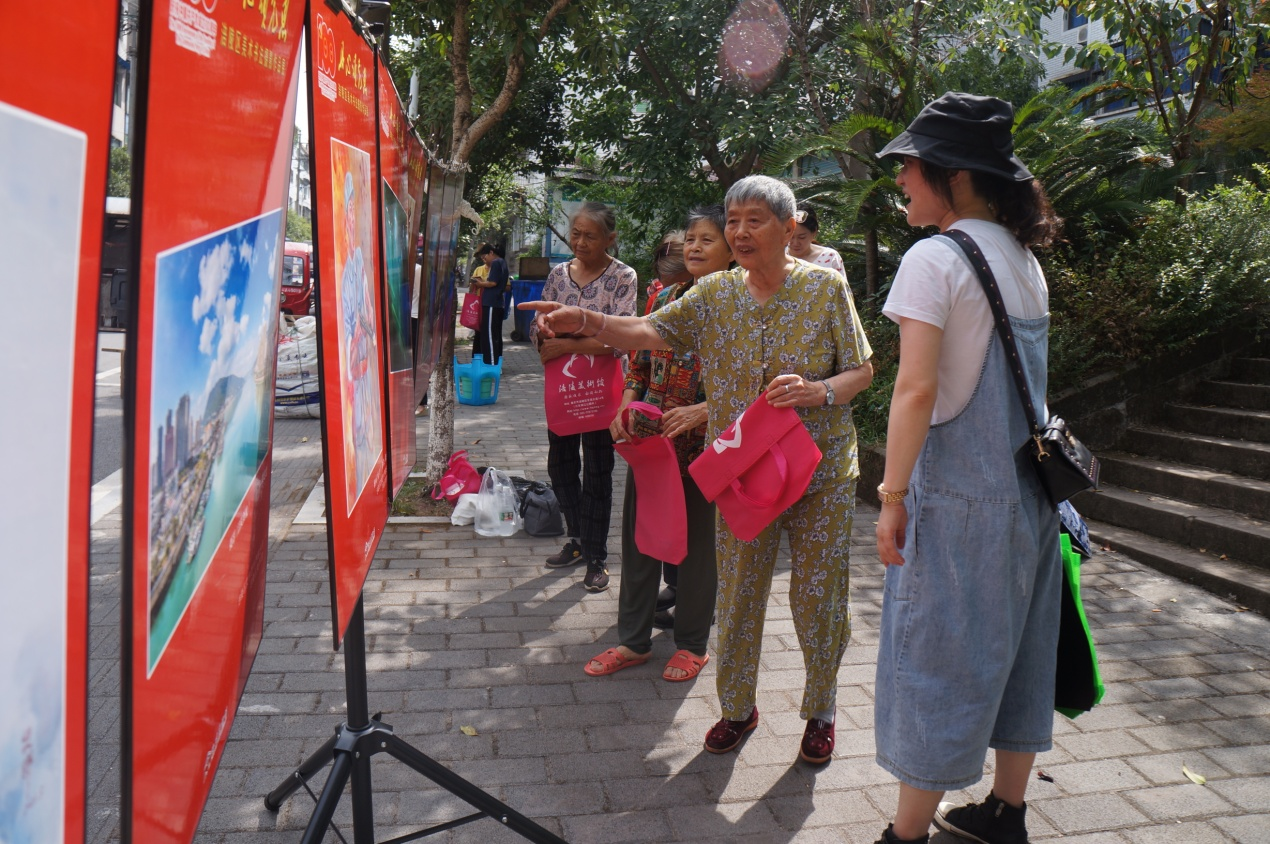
(970, 610)
(803, 242)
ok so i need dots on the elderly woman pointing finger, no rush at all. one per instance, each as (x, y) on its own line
(778, 326)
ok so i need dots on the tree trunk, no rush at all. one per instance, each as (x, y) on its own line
(441, 408)
(871, 262)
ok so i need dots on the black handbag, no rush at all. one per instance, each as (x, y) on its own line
(1062, 463)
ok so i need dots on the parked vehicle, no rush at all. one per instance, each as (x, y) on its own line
(297, 279)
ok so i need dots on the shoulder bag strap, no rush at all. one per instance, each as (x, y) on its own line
(980, 265)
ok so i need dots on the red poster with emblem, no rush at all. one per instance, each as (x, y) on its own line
(396, 210)
(55, 111)
(346, 207)
(216, 101)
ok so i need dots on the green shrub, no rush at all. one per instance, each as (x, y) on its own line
(1192, 271)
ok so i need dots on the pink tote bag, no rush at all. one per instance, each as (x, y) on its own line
(661, 515)
(759, 466)
(582, 393)
(471, 316)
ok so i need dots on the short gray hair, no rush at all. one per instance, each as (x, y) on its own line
(598, 212)
(773, 193)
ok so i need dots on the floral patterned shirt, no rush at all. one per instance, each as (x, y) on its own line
(612, 293)
(809, 327)
(666, 379)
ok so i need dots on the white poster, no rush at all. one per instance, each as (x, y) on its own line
(41, 191)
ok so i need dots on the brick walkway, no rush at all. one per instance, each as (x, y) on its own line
(468, 631)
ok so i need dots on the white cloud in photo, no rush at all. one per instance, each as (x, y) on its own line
(213, 272)
(207, 335)
(244, 252)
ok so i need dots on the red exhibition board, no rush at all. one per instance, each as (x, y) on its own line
(215, 103)
(417, 173)
(55, 109)
(397, 210)
(346, 203)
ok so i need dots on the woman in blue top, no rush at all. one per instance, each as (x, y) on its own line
(970, 608)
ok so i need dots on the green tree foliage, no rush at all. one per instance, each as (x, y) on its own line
(1157, 48)
(119, 175)
(299, 229)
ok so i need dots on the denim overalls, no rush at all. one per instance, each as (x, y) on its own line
(970, 621)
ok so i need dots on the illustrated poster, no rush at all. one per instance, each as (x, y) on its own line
(350, 338)
(396, 211)
(424, 327)
(199, 379)
(55, 109)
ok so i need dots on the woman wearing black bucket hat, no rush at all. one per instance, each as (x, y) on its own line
(970, 610)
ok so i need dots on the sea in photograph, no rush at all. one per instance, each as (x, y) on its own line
(215, 321)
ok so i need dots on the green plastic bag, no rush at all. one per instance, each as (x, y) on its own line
(1078, 684)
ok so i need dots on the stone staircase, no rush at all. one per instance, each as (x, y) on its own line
(1190, 494)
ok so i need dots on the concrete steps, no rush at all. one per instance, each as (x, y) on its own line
(1191, 495)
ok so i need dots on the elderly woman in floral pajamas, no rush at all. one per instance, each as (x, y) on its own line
(780, 326)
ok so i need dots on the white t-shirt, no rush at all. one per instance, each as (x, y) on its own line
(936, 285)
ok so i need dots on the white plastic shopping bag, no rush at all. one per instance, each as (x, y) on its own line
(464, 509)
(496, 510)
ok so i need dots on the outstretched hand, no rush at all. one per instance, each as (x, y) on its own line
(555, 319)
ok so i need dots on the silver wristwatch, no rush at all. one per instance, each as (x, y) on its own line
(828, 394)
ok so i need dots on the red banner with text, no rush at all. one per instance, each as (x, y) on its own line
(55, 112)
(216, 107)
(397, 210)
(346, 202)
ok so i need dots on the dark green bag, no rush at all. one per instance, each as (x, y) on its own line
(1078, 684)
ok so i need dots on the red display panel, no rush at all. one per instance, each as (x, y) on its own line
(397, 209)
(424, 329)
(216, 101)
(55, 132)
(346, 205)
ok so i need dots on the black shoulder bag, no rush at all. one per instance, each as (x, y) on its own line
(1063, 464)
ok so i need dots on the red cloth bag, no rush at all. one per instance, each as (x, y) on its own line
(471, 315)
(460, 477)
(661, 515)
(582, 393)
(759, 466)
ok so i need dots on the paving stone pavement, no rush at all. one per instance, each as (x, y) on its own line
(467, 631)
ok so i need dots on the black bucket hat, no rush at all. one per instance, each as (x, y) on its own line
(963, 132)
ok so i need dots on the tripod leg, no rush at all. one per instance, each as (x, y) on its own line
(328, 799)
(467, 792)
(307, 770)
(363, 801)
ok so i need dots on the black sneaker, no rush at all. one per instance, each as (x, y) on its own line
(570, 555)
(597, 576)
(889, 837)
(664, 619)
(989, 822)
(666, 598)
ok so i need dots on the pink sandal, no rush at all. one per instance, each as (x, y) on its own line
(612, 661)
(685, 661)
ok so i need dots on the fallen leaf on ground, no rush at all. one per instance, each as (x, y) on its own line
(474, 442)
(1193, 777)
(1157, 609)
(304, 439)
(1172, 600)
(1041, 775)
(467, 731)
